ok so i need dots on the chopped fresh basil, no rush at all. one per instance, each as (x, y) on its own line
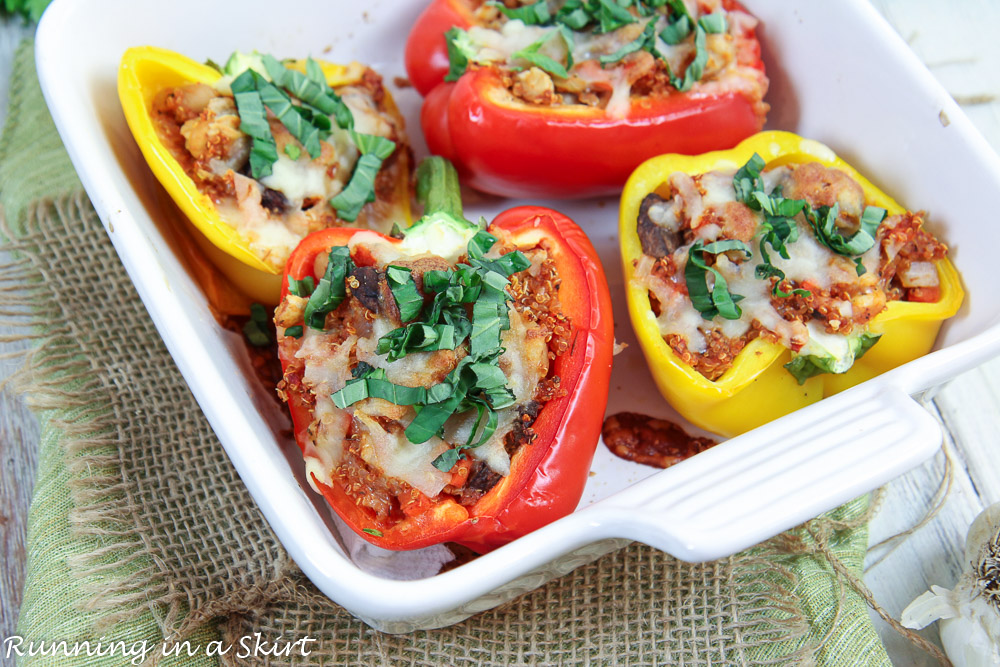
(361, 188)
(646, 40)
(362, 369)
(293, 151)
(302, 287)
(289, 115)
(408, 300)
(823, 221)
(331, 290)
(696, 67)
(573, 15)
(532, 54)
(253, 122)
(536, 14)
(372, 531)
(676, 31)
(257, 328)
(714, 23)
(476, 382)
(747, 179)
(610, 15)
(295, 331)
(718, 301)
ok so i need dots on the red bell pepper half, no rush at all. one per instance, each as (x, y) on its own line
(547, 476)
(505, 145)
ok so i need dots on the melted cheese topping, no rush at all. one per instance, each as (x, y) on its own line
(327, 362)
(306, 184)
(724, 71)
(695, 202)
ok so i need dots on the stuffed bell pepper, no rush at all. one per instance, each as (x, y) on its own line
(449, 385)
(260, 153)
(563, 98)
(763, 278)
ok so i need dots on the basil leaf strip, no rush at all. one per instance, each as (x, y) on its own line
(331, 290)
(253, 122)
(718, 301)
(536, 14)
(824, 224)
(361, 188)
(532, 55)
(289, 115)
(257, 329)
(646, 40)
(302, 287)
(408, 300)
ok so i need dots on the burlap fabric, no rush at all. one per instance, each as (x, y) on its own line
(140, 528)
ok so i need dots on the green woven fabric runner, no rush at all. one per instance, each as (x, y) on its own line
(140, 530)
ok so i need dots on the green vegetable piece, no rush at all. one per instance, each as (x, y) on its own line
(536, 14)
(253, 122)
(675, 32)
(330, 291)
(611, 16)
(372, 531)
(295, 331)
(714, 23)
(281, 105)
(409, 301)
(447, 460)
(532, 54)
(361, 188)
(646, 40)
(719, 301)
(256, 334)
(302, 287)
(805, 366)
(460, 52)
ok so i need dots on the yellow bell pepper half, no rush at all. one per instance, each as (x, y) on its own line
(757, 388)
(147, 70)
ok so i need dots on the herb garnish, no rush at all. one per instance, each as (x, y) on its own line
(600, 16)
(372, 531)
(257, 328)
(361, 188)
(536, 14)
(718, 301)
(779, 227)
(477, 381)
(532, 54)
(308, 121)
(253, 122)
(331, 289)
(823, 221)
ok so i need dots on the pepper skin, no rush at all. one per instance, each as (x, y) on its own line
(757, 389)
(505, 146)
(547, 476)
(144, 72)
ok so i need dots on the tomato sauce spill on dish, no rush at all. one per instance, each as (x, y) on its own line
(650, 441)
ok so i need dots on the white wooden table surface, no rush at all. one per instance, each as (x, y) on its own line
(958, 43)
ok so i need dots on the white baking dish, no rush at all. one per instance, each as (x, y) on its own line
(839, 75)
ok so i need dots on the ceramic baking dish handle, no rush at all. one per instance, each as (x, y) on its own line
(776, 476)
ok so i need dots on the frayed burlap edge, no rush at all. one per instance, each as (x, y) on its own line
(120, 574)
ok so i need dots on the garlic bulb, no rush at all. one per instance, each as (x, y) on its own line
(969, 613)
